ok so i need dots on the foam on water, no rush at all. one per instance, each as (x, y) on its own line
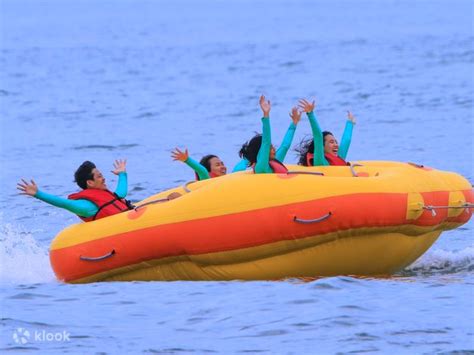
(22, 259)
(440, 261)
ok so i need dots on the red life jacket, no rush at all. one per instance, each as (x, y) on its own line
(276, 165)
(332, 159)
(107, 202)
(335, 160)
(211, 175)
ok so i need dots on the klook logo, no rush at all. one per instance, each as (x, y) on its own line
(22, 336)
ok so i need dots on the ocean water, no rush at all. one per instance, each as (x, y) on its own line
(102, 80)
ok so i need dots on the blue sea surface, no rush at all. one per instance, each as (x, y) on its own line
(102, 80)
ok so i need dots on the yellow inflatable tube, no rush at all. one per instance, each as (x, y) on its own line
(372, 218)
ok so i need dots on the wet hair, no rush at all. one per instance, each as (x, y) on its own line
(206, 161)
(307, 146)
(84, 173)
(250, 149)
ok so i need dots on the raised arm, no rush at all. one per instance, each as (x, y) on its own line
(347, 135)
(318, 158)
(82, 208)
(242, 165)
(263, 156)
(200, 170)
(120, 169)
(295, 115)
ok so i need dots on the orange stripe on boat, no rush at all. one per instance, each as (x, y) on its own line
(205, 235)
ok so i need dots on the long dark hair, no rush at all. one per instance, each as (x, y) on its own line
(251, 148)
(307, 146)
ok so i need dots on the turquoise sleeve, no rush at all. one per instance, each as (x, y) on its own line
(263, 166)
(200, 170)
(122, 185)
(319, 158)
(82, 208)
(286, 143)
(346, 139)
(241, 165)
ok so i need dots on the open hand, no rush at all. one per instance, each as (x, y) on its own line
(265, 105)
(295, 115)
(27, 188)
(177, 154)
(307, 106)
(119, 166)
(351, 117)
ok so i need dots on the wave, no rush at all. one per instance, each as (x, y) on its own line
(22, 259)
(105, 147)
(441, 261)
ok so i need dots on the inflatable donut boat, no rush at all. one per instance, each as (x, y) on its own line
(371, 218)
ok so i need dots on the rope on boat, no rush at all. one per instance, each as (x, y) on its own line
(304, 173)
(434, 208)
(152, 202)
(185, 188)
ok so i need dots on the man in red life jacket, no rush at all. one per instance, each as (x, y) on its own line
(94, 201)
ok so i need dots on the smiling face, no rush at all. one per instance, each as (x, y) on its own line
(330, 145)
(217, 166)
(98, 181)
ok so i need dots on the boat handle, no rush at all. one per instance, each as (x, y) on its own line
(98, 258)
(351, 166)
(304, 173)
(308, 221)
(185, 186)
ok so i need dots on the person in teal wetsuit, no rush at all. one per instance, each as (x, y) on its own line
(94, 188)
(259, 151)
(328, 151)
(281, 152)
(210, 165)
